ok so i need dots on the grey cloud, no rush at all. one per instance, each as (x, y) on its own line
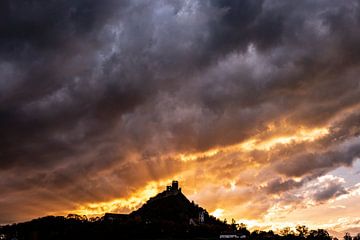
(318, 163)
(315, 190)
(85, 84)
(279, 185)
(331, 191)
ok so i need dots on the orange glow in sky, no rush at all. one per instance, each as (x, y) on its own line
(257, 116)
(302, 135)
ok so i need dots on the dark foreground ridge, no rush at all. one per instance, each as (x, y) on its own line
(168, 215)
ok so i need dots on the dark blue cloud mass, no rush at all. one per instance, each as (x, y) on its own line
(86, 85)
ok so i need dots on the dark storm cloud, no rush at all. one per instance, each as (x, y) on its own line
(309, 191)
(244, 22)
(331, 191)
(339, 148)
(93, 91)
(40, 97)
(279, 185)
(26, 25)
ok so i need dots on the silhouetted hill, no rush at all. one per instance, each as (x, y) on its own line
(168, 215)
(173, 206)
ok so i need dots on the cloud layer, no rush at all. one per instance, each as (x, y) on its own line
(253, 101)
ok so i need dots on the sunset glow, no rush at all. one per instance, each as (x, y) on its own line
(124, 205)
(218, 213)
(253, 106)
(258, 144)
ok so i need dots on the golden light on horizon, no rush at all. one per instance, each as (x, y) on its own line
(256, 143)
(231, 191)
(122, 205)
(252, 106)
(218, 213)
(137, 198)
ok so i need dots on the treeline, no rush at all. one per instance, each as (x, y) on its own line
(301, 232)
(80, 227)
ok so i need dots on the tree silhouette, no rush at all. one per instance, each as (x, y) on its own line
(357, 237)
(347, 236)
(319, 234)
(234, 226)
(302, 230)
(286, 231)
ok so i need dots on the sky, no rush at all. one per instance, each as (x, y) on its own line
(252, 105)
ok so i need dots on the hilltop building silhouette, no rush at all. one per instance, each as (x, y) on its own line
(168, 214)
(169, 205)
(174, 186)
(171, 190)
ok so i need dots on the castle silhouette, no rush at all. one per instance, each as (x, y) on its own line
(169, 205)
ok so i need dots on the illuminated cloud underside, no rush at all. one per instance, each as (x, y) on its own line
(252, 105)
